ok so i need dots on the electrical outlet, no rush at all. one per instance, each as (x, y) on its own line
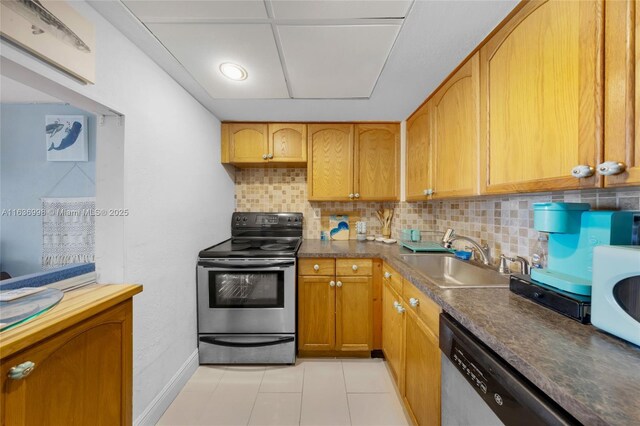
(316, 213)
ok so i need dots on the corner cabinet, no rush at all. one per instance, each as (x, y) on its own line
(621, 164)
(335, 305)
(541, 78)
(81, 373)
(264, 144)
(353, 162)
(418, 178)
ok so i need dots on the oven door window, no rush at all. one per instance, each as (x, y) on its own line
(246, 289)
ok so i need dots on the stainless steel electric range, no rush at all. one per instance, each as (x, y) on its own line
(247, 292)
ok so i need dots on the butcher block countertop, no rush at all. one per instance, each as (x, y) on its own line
(591, 374)
(76, 305)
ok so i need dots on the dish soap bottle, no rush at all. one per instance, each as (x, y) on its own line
(540, 252)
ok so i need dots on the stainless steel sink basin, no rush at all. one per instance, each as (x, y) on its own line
(446, 271)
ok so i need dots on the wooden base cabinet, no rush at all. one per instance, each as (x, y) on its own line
(421, 372)
(335, 312)
(392, 330)
(81, 375)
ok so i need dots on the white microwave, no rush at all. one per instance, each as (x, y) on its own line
(615, 293)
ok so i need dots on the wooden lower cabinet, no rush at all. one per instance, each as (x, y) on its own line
(354, 314)
(316, 313)
(421, 372)
(392, 331)
(81, 375)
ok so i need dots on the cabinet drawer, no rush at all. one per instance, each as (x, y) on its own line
(316, 266)
(392, 277)
(355, 267)
(426, 309)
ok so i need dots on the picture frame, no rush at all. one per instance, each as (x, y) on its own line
(66, 138)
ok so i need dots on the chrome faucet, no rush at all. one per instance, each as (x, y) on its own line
(483, 250)
(525, 268)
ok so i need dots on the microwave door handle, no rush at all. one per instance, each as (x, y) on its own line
(240, 265)
(220, 342)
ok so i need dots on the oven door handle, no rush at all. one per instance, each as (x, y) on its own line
(250, 264)
(220, 342)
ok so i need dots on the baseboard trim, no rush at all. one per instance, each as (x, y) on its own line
(161, 402)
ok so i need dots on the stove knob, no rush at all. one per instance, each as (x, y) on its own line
(289, 220)
(244, 219)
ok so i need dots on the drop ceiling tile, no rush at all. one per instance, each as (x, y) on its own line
(345, 9)
(338, 61)
(175, 10)
(201, 48)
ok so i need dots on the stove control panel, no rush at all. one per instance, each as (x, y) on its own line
(266, 220)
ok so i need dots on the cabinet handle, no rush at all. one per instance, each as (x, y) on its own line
(332, 283)
(582, 171)
(354, 267)
(610, 168)
(400, 309)
(387, 275)
(339, 284)
(316, 267)
(21, 371)
(396, 303)
(351, 196)
(414, 302)
(428, 191)
(270, 156)
(264, 156)
(357, 195)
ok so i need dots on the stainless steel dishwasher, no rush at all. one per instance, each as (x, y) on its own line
(479, 388)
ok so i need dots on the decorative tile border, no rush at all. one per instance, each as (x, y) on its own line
(503, 222)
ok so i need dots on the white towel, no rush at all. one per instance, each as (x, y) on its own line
(68, 231)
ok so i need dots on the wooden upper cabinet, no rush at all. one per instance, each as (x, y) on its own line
(247, 142)
(541, 98)
(288, 144)
(377, 156)
(455, 133)
(330, 164)
(622, 91)
(418, 178)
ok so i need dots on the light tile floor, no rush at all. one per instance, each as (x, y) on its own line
(313, 392)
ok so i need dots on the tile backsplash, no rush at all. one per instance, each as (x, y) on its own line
(505, 223)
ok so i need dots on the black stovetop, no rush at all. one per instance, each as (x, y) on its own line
(260, 235)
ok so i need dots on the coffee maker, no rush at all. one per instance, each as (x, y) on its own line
(574, 230)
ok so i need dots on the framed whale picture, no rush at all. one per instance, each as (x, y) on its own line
(66, 137)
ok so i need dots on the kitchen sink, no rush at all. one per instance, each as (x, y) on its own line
(446, 271)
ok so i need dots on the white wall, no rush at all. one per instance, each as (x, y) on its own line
(179, 196)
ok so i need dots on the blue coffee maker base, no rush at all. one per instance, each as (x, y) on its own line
(565, 282)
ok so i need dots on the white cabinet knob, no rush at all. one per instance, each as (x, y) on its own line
(332, 283)
(414, 302)
(396, 303)
(264, 156)
(400, 309)
(357, 195)
(610, 168)
(21, 371)
(316, 267)
(270, 156)
(351, 196)
(582, 171)
(354, 267)
(428, 191)
(339, 284)
(387, 275)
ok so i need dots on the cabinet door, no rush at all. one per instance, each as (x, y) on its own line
(418, 152)
(622, 91)
(247, 142)
(330, 165)
(81, 376)
(288, 143)
(422, 372)
(316, 313)
(456, 133)
(354, 313)
(541, 98)
(392, 331)
(377, 158)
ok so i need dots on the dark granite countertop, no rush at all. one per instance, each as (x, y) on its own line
(592, 375)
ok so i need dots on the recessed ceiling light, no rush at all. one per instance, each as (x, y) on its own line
(233, 71)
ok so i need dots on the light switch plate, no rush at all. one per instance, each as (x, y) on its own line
(316, 213)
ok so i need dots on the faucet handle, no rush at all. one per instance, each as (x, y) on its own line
(504, 265)
(446, 237)
(525, 268)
